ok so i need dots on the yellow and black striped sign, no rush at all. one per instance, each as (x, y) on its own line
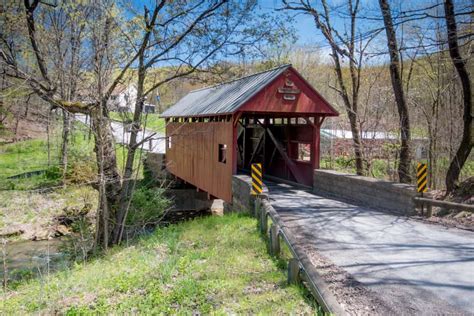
(257, 184)
(422, 178)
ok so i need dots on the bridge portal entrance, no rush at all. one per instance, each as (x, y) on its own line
(286, 146)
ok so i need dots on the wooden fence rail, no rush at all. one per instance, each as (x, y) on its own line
(450, 205)
(300, 266)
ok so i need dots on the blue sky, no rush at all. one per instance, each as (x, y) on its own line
(304, 24)
(370, 10)
(309, 35)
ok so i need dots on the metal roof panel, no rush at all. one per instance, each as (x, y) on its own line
(223, 98)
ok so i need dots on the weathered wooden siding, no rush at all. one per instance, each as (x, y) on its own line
(194, 155)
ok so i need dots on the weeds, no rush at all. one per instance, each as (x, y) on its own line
(208, 265)
(147, 207)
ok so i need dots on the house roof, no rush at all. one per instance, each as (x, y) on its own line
(223, 98)
(121, 88)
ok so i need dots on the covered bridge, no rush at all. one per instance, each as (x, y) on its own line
(272, 117)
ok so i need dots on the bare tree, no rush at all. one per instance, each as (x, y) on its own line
(224, 32)
(397, 84)
(459, 62)
(185, 35)
(343, 45)
(67, 34)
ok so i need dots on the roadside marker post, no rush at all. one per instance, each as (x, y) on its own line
(422, 182)
(422, 178)
(257, 183)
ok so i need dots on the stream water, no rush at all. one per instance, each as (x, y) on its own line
(39, 258)
(33, 258)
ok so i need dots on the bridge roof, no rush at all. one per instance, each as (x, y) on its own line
(224, 98)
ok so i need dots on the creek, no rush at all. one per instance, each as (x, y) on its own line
(33, 258)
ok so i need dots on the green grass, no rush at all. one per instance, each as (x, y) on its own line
(121, 154)
(24, 156)
(32, 155)
(153, 120)
(211, 265)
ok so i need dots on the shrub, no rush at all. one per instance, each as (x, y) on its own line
(53, 173)
(82, 167)
(147, 207)
(81, 172)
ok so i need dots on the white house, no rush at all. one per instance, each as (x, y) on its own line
(124, 97)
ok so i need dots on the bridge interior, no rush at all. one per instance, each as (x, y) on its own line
(287, 147)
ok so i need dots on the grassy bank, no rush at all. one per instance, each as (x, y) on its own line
(209, 265)
(39, 155)
(152, 121)
(32, 156)
(30, 201)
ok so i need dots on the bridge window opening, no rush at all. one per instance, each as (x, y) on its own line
(223, 153)
(293, 120)
(169, 142)
(304, 152)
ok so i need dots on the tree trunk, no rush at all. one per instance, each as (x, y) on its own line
(109, 179)
(65, 142)
(464, 149)
(352, 114)
(405, 159)
(359, 161)
(128, 181)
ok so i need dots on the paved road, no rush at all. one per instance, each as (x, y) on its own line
(156, 144)
(425, 266)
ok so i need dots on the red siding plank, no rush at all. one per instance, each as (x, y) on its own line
(193, 155)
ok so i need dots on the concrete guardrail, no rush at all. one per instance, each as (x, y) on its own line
(397, 197)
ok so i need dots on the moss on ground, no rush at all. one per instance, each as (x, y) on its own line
(209, 265)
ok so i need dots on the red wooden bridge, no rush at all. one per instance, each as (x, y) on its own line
(272, 117)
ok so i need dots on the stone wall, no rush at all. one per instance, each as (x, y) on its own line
(242, 200)
(156, 164)
(396, 197)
